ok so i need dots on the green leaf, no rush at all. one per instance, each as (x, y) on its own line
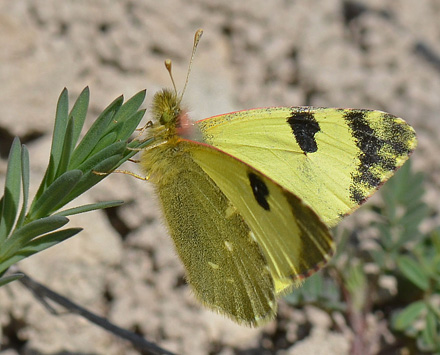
(59, 133)
(409, 315)
(7, 279)
(93, 161)
(25, 175)
(127, 118)
(39, 244)
(415, 187)
(67, 149)
(131, 106)
(388, 193)
(94, 134)
(11, 197)
(385, 237)
(90, 207)
(90, 179)
(25, 234)
(414, 217)
(413, 272)
(47, 241)
(79, 113)
(57, 142)
(130, 125)
(50, 198)
(105, 141)
(429, 333)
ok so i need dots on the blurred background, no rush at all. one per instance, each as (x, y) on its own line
(361, 54)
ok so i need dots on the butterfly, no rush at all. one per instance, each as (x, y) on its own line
(249, 196)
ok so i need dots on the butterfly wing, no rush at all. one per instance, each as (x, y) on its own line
(224, 265)
(242, 238)
(332, 158)
(292, 238)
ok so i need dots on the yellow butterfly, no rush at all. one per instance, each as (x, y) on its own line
(249, 196)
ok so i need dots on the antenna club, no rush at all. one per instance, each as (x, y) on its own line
(168, 64)
(197, 36)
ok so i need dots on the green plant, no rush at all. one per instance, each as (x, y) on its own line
(71, 172)
(413, 257)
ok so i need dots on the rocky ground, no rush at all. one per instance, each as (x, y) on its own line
(363, 54)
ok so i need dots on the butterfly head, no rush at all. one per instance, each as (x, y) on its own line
(166, 108)
(166, 103)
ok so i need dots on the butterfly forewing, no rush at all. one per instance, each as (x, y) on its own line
(333, 159)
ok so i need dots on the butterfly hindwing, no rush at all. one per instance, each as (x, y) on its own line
(224, 265)
(293, 239)
(332, 158)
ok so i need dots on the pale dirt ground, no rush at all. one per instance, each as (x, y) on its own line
(253, 53)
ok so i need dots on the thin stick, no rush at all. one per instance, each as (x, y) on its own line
(42, 294)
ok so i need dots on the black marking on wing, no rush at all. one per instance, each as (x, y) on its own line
(260, 190)
(317, 245)
(304, 127)
(379, 150)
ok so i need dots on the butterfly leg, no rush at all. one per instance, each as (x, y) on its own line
(127, 172)
(149, 124)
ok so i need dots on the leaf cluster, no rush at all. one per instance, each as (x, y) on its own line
(26, 229)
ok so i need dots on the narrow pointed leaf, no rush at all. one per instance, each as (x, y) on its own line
(39, 244)
(11, 197)
(116, 148)
(47, 241)
(90, 179)
(60, 188)
(46, 180)
(94, 134)
(105, 141)
(130, 125)
(130, 107)
(90, 207)
(66, 150)
(25, 176)
(25, 234)
(430, 333)
(413, 272)
(409, 315)
(79, 113)
(59, 133)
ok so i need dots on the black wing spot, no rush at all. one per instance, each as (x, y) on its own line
(304, 127)
(260, 190)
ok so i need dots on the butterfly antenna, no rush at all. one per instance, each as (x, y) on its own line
(168, 63)
(197, 37)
